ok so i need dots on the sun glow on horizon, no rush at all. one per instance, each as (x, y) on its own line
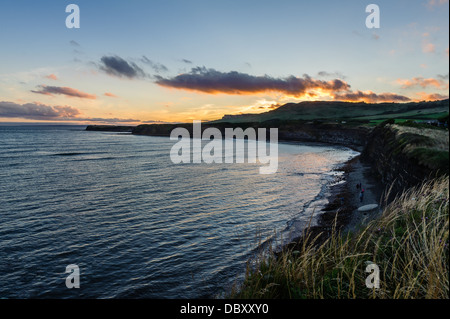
(240, 64)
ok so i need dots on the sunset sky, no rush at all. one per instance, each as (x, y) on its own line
(182, 60)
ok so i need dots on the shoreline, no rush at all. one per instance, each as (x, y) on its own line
(343, 187)
(341, 212)
(353, 137)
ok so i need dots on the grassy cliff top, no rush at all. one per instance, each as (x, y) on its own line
(435, 139)
(429, 147)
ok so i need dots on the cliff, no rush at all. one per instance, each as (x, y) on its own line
(405, 156)
(109, 128)
(401, 156)
(354, 137)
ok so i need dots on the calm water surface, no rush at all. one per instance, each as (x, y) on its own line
(137, 225)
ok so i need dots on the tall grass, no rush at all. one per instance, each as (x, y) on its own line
(438, 139)
(409, 244)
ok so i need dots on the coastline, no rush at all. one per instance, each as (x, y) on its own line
(341, 212)
(344, 187)
(353, 137)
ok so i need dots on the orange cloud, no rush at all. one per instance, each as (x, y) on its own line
(70, 92)
(428, 47)
(51, 77)
(211, 81)
(435, 3)
(110, 94)
(423, 96)
(422, 82)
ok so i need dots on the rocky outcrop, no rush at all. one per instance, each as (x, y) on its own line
(109, 128)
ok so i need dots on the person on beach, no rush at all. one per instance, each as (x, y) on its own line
(361, 195)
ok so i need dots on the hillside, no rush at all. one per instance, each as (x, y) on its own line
(323, 110)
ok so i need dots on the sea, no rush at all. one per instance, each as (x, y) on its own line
(137, 225)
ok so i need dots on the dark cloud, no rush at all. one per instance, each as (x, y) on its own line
(106, 120)
(270, 107)
(41, 112)
(439, 83)
(443, 77)
(116, 66)
(338, 75)
(186, 61)
(76, 47)
(36, 111)
(51, 90)
(211, 81)
(431, 97)
(157, 67)
(156, 122)
(370, 97)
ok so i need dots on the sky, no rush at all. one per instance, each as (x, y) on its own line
(134, 62)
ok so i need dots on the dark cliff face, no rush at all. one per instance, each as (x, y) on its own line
(353, 137)
(109, 128)
(396, 168)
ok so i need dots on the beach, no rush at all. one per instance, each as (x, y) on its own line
(373, 193)
(341, 212)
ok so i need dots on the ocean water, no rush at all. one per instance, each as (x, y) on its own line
(137, 225)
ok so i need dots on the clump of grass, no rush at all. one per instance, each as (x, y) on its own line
(409, 244)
